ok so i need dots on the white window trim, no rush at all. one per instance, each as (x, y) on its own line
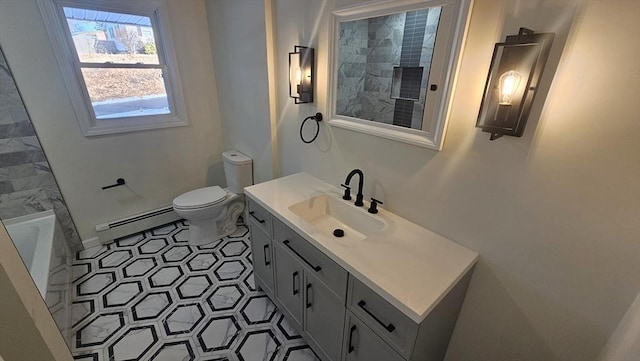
(66, 55)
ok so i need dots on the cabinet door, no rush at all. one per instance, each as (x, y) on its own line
(362, 344)
(289, 284)
(324, 317)
(262, 252)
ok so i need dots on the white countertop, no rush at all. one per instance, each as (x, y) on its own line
(410, 266)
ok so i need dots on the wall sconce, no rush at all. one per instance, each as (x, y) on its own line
(301, 74)
(512, 83)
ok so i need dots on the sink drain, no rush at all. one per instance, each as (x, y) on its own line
(338, 232)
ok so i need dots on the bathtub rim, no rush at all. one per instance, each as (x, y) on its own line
(39, 269)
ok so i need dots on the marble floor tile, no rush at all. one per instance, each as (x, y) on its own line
(139, 267)
(194, 286)
(176, 253)
(258, 309)
(153, 246)
(122, 294)
(229, 270)
(134, 343)
(202, 262)
(258, 346)
(166, 276)
(100, 329)
(152, 296)
(95, 283)
(175, 351)
(183, 319)
(225, 298)
(151, 306)
(80, 310)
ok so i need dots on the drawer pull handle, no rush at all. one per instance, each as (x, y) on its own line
(351, 331)
(390, 327)
(266, 250)
(315, 268)
(308, 288)
(294, 288)
(253, 214)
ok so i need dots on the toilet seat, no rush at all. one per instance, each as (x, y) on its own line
(200, 198)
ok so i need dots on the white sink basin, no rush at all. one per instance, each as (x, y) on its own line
(326, 213)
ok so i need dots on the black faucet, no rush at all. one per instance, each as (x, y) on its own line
(359, 196)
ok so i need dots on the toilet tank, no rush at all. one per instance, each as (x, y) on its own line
(238, 169)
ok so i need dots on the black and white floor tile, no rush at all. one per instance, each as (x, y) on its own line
(152, 296)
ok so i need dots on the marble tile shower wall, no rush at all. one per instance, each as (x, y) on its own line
(385, 35)
(428, 44)
(353, 60)
(368, 51)
(27, 184)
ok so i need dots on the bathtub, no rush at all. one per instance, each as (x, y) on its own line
(44, 250)
(33, 236)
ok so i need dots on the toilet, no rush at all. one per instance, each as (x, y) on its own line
(213, 212)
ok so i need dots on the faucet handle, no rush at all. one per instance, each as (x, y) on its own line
(347, 192)
(374, 206)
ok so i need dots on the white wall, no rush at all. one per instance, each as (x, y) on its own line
(554, 214)
(238, 42)
(157, 165)
(624, 343)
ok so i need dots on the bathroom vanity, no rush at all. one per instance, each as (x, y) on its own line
(383, 289)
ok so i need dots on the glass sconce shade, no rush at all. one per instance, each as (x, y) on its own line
(301, 73)
(512, 83)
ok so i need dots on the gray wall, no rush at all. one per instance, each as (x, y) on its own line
(27, 184)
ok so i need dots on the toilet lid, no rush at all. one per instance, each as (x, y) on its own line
(199, 198)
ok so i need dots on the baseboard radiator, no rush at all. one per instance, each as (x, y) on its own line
(109, 231)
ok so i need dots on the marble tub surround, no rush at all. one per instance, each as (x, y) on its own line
(369, 50)
(152, 296)
(411, 267)
(27, 184)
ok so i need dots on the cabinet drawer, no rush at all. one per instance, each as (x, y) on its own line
(362, 344)
(321, 266)
(386, 320)
(259, 215)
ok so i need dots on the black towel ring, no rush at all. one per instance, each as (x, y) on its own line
(318, 119)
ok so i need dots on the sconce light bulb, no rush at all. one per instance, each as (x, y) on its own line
(509, 83)
(299, 76)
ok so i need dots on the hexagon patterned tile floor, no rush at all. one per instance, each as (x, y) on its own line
(152, 296)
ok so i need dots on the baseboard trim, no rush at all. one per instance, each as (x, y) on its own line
(91, 242)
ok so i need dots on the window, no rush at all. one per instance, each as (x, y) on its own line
(118, 63)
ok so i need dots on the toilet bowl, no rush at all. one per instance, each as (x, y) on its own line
(212, 212)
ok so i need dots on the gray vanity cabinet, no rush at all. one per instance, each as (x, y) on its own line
(259, 222)
(288, 272)
(337, 314)
(362, 344)
(262, 251)
(306, 285)
(324, 317)
(311, 306)
(312, 290)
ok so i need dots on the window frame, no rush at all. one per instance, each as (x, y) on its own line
(71, 66)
